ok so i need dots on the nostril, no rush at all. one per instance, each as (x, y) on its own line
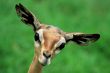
(44, 54)
(47, 55)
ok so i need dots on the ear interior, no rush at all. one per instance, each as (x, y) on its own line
(26, 16)
(85, 39)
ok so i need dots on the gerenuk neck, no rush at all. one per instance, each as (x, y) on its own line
(35, 66)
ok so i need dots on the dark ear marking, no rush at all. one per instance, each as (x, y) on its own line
(26, 16)
(85, 39)
(81, 38)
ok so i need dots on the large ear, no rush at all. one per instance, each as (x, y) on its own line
(81, 38)
(26, 16)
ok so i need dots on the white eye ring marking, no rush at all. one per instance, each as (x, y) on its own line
(40, 32)
(62, 40)
(36, 44)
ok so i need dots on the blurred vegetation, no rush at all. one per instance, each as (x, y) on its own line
(89, 16)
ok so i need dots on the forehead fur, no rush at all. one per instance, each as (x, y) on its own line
(51, 37)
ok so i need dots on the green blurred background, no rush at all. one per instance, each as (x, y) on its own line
(89, 16)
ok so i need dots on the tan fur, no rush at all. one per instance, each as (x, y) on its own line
(35, 66)
(52, 36)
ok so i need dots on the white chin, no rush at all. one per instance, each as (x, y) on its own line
(44, 61)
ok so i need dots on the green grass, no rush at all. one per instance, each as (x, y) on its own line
(89, 16)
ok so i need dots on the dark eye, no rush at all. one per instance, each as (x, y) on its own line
(36, 37)
(61, 46)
